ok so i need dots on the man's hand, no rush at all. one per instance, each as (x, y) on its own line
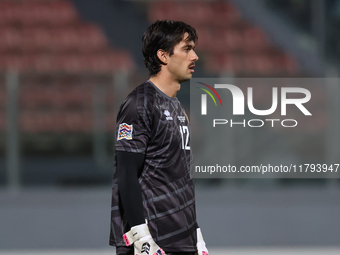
(142, 240)
(202, 250)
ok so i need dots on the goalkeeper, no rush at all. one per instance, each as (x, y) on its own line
(153, 199)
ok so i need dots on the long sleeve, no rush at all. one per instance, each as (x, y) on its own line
(129, 167)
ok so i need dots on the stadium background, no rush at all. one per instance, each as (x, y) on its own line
(65, 67)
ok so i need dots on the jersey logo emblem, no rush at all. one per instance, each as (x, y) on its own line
(181, 118)
(124, 132)
(167, 114)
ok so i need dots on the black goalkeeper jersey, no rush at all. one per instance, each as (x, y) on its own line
(152, 123)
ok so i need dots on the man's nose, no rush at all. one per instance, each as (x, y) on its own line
(195, 57)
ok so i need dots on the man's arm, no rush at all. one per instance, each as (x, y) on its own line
(129, 167)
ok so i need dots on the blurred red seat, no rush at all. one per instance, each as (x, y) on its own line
(64, 39)
(122, 61)
(55, 121)
(13, 62)
(45, 63)
(74, 96)
(225, 14)
(195, 13)
(229, 63)
(63, 12)
(36, 39)
(165, 10)
(72, 63)
(55, 13)
(78, 121)
(111, 61)
(286, 63)
(255, 40)
(32, 122)
(10, 39)
(103, 63)
(34, 12)
(10, 12)
(206, 40)
(230, 39)
(90, 38)
(258, 64)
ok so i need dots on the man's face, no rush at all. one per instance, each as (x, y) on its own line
(180, 65)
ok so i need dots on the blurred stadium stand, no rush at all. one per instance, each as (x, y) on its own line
(61, 60)
(49, 36)
(227, 42)
(64, 51)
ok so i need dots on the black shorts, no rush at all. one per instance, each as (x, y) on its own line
(128, 250)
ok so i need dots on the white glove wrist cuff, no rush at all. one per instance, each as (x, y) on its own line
(136, 233)
(199, 235)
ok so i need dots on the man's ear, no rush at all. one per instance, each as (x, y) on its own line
(163, 56)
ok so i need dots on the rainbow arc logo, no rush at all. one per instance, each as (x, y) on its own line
(204, 97)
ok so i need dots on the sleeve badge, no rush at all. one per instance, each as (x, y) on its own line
(125, 132)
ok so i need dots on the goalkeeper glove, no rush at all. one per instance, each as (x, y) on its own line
(142, 240)
(202, 250)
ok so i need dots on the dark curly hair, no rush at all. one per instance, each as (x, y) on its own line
(164, 34)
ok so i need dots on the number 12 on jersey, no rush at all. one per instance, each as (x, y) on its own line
(185, 137)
